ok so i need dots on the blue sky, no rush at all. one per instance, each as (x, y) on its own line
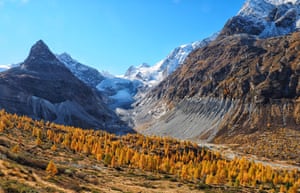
(109, 35)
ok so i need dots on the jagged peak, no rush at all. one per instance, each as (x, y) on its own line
(65, 54)
(40, 43)
(40, 46)
(274, 2)
(144, 65)
(279, 2)
(256, 8)
(40, 50)
(39, 56)
(262, 8)
(66, 58)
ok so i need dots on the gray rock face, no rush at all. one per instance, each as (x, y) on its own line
(86, 74)
(239, 24)
(193, 119)
(237, 84)
(288, 19)
(43, 88)
(41, 59)
(265, 18)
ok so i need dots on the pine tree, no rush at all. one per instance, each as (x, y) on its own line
(86, 149)
(107, 159)
(113, 162)
(282, 189)
(15, 148)
(209, 179)
(51, 169)
(53, 147)
(38, 141)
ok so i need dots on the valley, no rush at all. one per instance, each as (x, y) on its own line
(96, 161)
(220, 114)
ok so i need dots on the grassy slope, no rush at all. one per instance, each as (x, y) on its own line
(23, 164)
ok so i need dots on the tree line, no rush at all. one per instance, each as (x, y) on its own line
(183, 159)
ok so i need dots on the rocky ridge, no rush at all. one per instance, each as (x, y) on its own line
(238, 84)
(265, 18)
(86, 74)
(43, 88)
(151, 76)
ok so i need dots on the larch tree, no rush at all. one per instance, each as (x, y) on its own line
(51, 169)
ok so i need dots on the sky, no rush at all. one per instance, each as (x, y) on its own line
(109, 35)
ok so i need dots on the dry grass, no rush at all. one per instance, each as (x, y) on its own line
(24, 171)
(278, 145)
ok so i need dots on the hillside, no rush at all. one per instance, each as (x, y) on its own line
(217, 115)
(42, 87)
(236, 86)
(44, 157)
(90, 76)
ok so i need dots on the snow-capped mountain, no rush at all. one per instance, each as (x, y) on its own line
(87, 74)
(250, 67)
(118, 92)
(265, 18)
(152, 75)
(42, 87)
(121, 91)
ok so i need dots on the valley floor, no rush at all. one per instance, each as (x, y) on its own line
(25, 172)
(232, 151)
(45, 157)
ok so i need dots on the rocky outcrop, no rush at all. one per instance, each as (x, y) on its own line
(265, 18)
(43, 88)
(239, 24)
(237, 84)
(86, 74)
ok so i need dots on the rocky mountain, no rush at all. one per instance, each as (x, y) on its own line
(120, 91)
(86, 74)
(265, 18)
(243, 82)
(116, 92)
(152, 75)
(43, 88)
(89, 75)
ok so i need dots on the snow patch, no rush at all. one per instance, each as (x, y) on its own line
(151, 76)
(86, 74)
(279, 17)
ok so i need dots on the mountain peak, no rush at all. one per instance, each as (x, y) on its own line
(40, 58)
(66, 58)
(41, 43)
(41, 50)
(265, 18)
(278, 2)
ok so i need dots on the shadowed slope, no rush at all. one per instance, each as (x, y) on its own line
(43, 88)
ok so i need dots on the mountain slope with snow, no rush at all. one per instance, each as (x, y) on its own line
(265, 18)
(87, 74)
(152, 75)
(42, 87)
(243, 81)
(118, 92)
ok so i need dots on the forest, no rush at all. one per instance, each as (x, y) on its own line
(184, 160)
